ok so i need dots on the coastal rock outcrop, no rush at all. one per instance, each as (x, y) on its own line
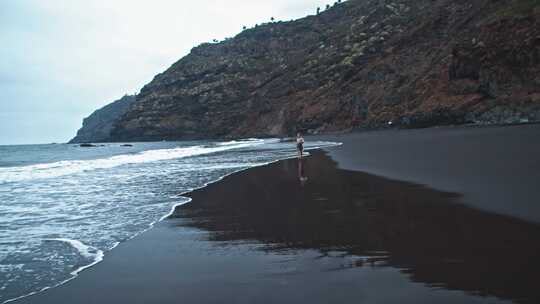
(97, 127)
(359, 64)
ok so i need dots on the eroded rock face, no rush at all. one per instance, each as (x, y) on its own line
(97, 127)
(359, 64)
(500, 65)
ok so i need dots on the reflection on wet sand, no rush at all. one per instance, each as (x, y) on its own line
(301, 172)
(426, 233)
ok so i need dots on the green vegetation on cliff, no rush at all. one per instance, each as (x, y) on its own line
(358, 64)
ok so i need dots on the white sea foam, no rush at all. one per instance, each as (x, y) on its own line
(226, 143)
(89, 252)
(61, 168)
(95, 255)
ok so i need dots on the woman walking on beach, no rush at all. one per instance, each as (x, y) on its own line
(299, 144)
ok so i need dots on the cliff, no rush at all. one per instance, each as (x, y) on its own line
(97, 127)
(358, 64)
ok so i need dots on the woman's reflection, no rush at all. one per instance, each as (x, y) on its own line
(301, 173)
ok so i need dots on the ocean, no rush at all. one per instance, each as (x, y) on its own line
(63, 207)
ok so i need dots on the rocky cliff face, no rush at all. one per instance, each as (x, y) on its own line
(97, 127)
(359, 64)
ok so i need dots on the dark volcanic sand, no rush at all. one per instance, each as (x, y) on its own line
(496, 168)
(261, 236)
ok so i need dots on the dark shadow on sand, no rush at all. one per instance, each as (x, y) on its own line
(426, 233)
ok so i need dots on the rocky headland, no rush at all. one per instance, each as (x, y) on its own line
(357, 64)
(97, 127)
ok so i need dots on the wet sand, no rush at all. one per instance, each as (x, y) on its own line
(496, 168)
(268, 235)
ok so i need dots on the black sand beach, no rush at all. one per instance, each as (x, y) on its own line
(495, 168)
(346, 235)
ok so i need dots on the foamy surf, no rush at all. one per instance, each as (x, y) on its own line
(89, 252)
(86, 251)
(61, 168)
(91, 207)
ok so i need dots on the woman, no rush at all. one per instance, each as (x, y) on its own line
(299, 144)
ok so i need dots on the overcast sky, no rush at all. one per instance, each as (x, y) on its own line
(62, 59)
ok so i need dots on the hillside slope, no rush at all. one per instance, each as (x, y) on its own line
(359, 64)
(97, 127)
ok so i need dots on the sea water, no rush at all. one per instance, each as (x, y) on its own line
(62, 206)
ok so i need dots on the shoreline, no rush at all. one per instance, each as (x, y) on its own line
(332, 133)
(162, 232)
(74, 274)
